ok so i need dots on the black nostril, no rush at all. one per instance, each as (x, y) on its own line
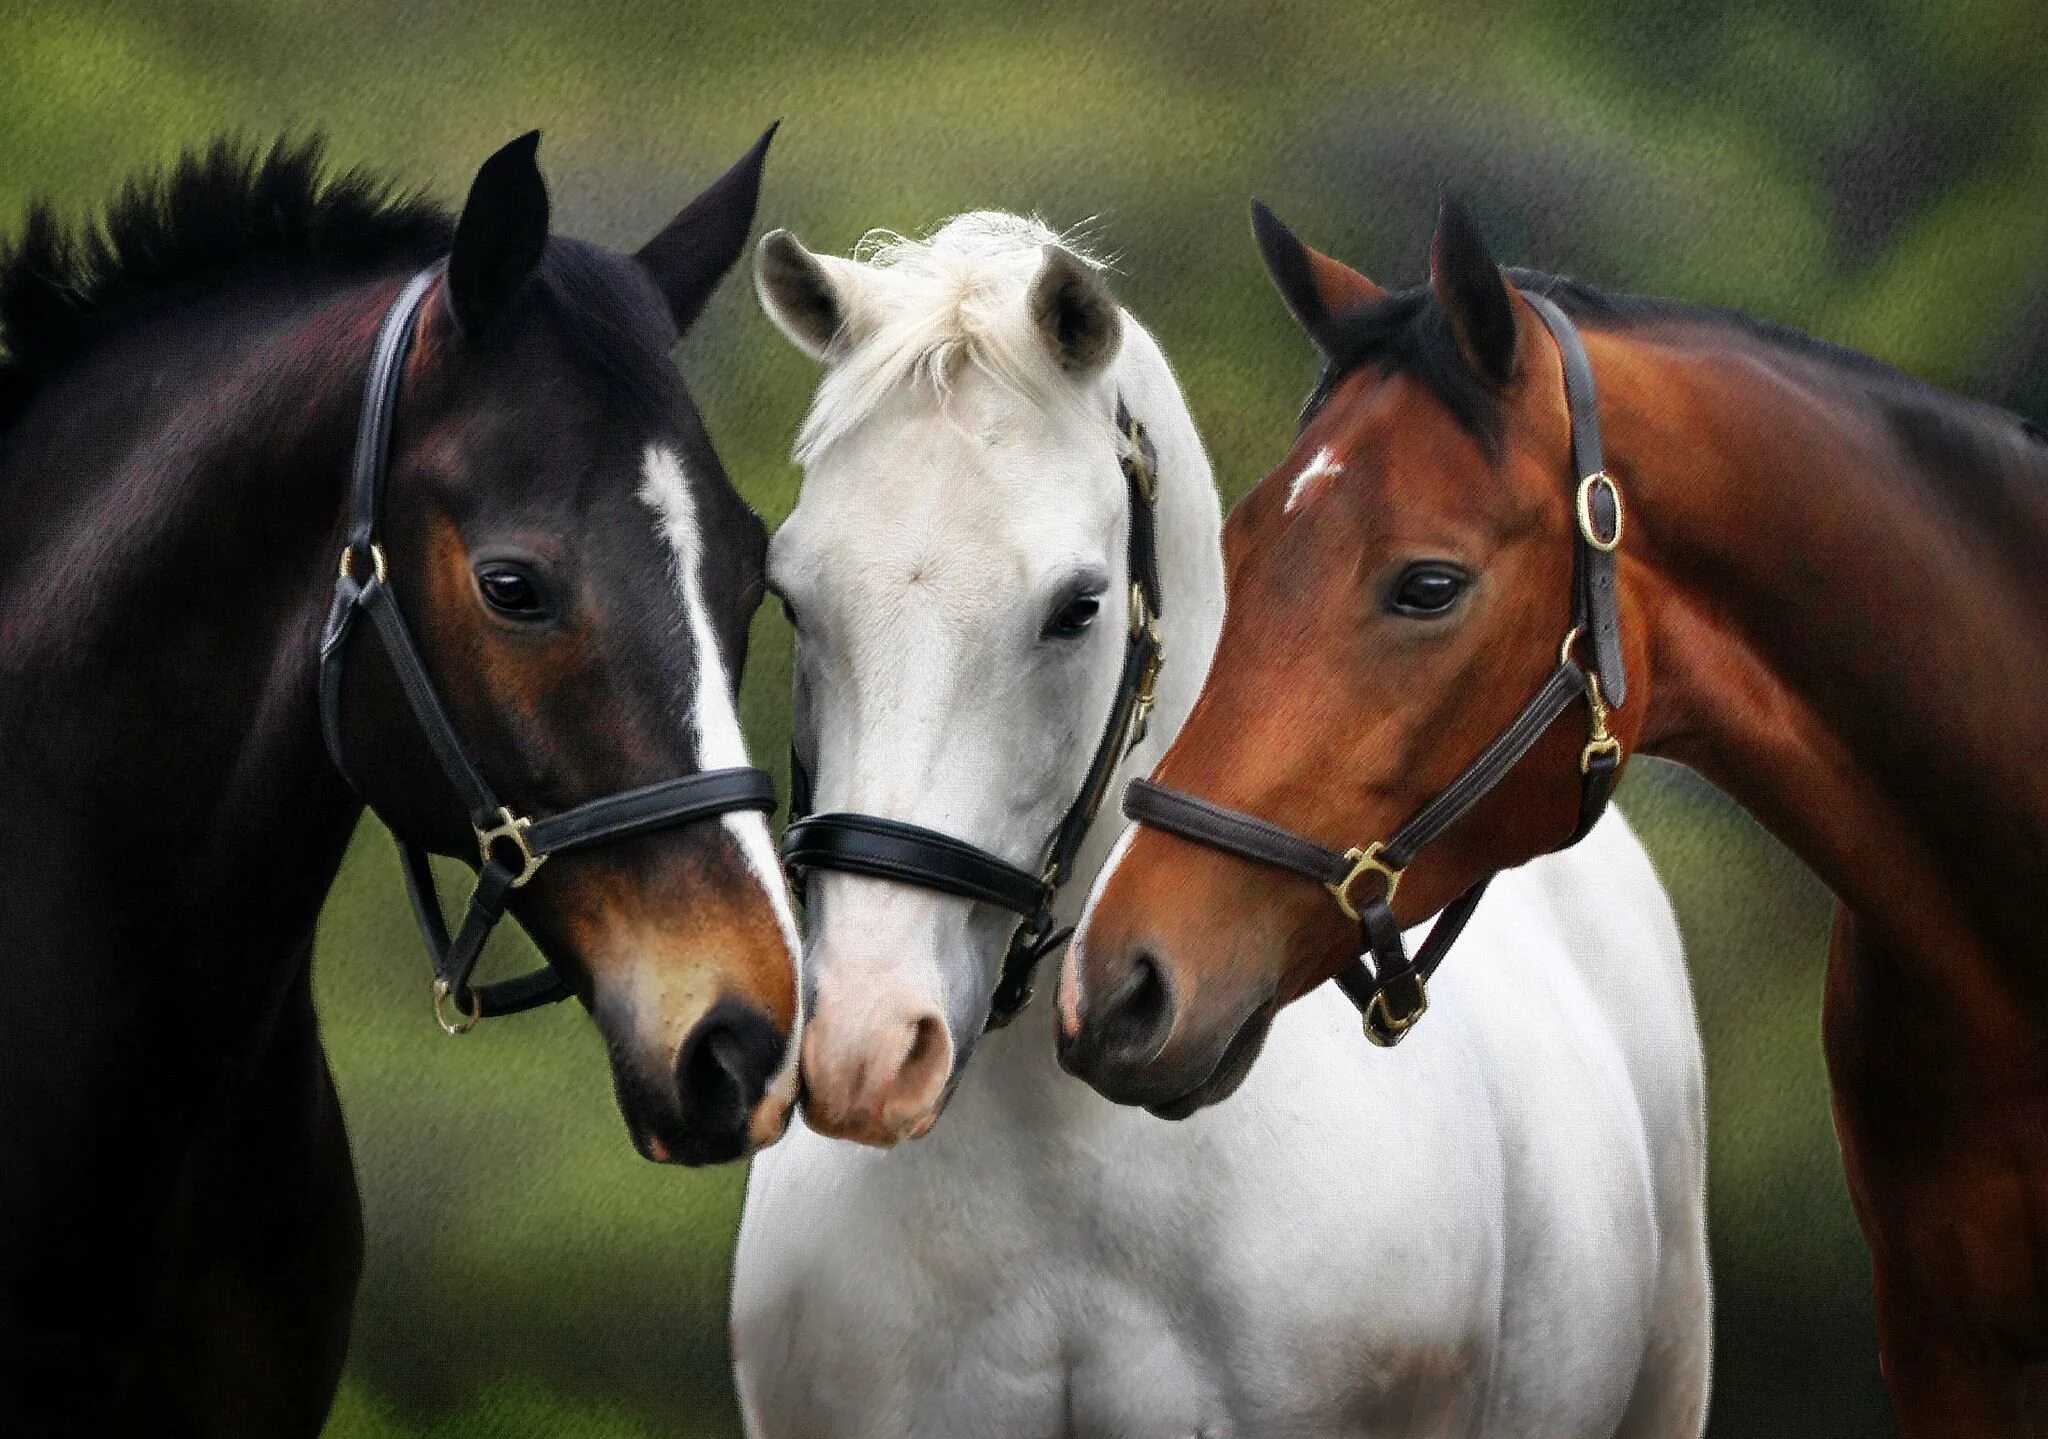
(1135, 1021)
(724, 1068)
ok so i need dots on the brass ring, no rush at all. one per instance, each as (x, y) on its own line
(1585, 507)
(1386, 1030)
(377, 567)
(442, 994)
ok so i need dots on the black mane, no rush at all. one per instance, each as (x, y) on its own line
(175, 235)
(1409, 333)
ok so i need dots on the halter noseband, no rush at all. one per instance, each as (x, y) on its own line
(1393, 991)
(510, 847)
(911, 854)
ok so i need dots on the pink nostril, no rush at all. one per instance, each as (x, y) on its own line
(881, 1089)
(919, 1079)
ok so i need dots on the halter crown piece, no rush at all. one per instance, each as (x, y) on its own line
(911, 854)
(510, 847)
(1393, 990)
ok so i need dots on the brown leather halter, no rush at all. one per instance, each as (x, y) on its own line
(1392, 991)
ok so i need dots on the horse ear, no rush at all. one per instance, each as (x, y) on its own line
(809, 297)
(1473, 293)
(1074, 313)
(694, 250)
(1315, 287)
(499, 239)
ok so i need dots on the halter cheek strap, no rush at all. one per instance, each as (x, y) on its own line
(510, 847)
(911, 854)
(1393, 990)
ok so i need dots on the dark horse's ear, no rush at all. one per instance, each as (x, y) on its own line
(1473, 293)
(499, 239)
(691, 255)
(1315, 287)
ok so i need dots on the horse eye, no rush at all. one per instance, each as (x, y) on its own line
(1427, 590)
(511, 590)
(1074, 616)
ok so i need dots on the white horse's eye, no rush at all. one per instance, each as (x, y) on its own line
(1074, 616)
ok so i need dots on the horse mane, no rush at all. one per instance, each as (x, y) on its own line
(173, 236)
(929, 307)
(1409, 333)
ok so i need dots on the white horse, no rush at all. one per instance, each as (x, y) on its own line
(1497, 1229)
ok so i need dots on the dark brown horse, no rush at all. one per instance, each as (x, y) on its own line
(179, 1229)
(1834, 603)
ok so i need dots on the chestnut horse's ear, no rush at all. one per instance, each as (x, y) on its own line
(1315, 287)
(500, 237)
(1473, 293)
(694, 250)
(810, 298)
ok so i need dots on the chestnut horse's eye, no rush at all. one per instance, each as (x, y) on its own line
(511, 590)
(1073, 617)
(1427, 590)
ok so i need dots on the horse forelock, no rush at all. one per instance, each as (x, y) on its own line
(930, 308)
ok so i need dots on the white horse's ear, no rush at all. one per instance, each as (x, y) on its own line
(1074, 312)
(809, 297)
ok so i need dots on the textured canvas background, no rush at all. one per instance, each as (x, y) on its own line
(1874, 172)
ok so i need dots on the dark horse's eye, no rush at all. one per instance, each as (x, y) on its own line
(1074, 616)
(1427, 589)
(511, 590)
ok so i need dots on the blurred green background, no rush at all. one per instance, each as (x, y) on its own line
(1874, 172)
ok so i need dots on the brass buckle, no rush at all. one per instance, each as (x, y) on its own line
(1148, 682)
(1364, 861)
(1141, 472)
(1143, 621)
(512, 828)
(1585, 507)
(377, 567)
(1386, 1028)
(442, 995)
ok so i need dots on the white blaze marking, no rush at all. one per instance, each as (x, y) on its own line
(1321, 467)
(714, 722)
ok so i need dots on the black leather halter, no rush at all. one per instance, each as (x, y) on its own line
(911, 854)
(1393, 990)
(510, 847)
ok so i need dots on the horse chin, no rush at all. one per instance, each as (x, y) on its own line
(1230, 1070)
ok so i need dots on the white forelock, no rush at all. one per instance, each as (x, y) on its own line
(927, 308)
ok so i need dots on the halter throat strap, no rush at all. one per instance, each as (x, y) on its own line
(1392, 990)
(931, 859)
(510, 847)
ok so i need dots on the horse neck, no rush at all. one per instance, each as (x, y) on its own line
(165, 616)
(1841, 637)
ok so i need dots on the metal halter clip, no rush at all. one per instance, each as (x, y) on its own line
(348, 562)
(1585, 506)
(512, 829)
(467, 1022)
(1603, 740)
(1364, 861)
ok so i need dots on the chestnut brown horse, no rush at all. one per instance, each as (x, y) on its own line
(1833, 599)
